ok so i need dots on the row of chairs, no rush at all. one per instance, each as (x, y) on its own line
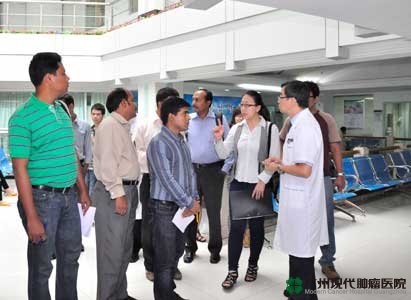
(366, 174)
(5, 165)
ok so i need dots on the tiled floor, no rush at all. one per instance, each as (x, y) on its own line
(376, 246)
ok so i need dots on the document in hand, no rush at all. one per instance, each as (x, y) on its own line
(86, 220)
(180, 221)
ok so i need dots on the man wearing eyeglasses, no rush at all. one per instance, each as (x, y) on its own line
(331, 143)
(115, 195)
(302, 219)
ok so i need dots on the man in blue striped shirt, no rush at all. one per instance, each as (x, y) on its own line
(173, 185)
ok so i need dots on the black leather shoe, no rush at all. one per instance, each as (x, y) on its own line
(215, 258)
(188, 257)
(179, 297)
(134, 257)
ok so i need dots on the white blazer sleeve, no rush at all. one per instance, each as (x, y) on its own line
(224, 149)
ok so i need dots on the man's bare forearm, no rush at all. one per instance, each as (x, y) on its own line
(24, 187)
(81, 184)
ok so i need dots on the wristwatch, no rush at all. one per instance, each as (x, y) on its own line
(340, 174)
(280, 170)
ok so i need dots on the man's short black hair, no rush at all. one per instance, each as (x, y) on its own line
(313, 87)
(114, 99)
(166, 92)
(172, 105)
(298, 90)
(41, 64)
(68, 99)
(100, 107)
(209, 95)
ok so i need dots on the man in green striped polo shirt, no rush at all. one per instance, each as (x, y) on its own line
(41, 141)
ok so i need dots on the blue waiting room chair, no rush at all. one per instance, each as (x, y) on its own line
(366, 174)
(382, 170)
(5, 165)
(402, 169)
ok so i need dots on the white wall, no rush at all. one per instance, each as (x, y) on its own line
(374, 120)
(192, 44)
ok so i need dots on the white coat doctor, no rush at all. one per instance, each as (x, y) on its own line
(302, 219)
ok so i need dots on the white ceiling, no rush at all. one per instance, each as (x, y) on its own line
(389, 16)
(386, 16)
(381, 75)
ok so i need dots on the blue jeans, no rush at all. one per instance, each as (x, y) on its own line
(169, 247)
(60, 217)
(328, 251)
(90, 181)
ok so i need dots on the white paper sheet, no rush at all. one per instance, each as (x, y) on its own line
(180, 221)
(86, 220)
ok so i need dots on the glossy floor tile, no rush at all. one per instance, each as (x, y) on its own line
(375, 246)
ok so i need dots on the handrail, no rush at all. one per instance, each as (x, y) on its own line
(100, 22)
(58, 2)
(376, 150)
(349, 153)
(366, 137)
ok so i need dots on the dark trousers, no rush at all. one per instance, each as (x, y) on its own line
(168, 242)
(210, 181)
(136, 237)
(146, 229)
(235, 241)
(328, 251)
(3, 185)
(237, 229)
(303, 268)
(60, 216)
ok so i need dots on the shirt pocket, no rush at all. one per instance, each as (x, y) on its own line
(294, 183)
(294, 197)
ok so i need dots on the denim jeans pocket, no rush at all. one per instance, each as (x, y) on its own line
(40, 196)
(43, 203)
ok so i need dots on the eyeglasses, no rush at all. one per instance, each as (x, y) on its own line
(245, 105)
(283, 97)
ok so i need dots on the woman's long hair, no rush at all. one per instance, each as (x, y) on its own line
(236, 112)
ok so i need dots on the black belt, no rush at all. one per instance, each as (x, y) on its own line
(130, 182)
(219, 163)
(47, 188)
(165, 203)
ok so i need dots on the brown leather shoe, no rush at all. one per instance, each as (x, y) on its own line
(330, 272)
(178, 275)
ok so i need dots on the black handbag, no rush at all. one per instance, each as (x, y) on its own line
(243, 206)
